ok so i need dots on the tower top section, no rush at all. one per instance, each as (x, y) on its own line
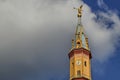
(81, 40)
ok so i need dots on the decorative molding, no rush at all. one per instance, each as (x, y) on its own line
(79, 51)
(81, 78)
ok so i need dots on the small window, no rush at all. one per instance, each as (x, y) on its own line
(78, 73)
(85, 63)
(72, 64)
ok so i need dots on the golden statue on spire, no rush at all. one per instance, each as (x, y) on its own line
(79, 11)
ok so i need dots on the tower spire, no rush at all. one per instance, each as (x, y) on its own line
(80, 37)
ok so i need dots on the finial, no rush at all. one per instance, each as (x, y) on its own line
(79, 11)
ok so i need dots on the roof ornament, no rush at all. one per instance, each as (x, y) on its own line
(79, 11)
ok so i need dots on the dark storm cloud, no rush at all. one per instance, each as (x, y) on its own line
(32, 45)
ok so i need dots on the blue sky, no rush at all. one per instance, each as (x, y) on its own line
(36, 38)
(111, 4)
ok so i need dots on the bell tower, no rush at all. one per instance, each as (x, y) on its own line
(80, 55)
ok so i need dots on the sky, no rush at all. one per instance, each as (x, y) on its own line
(35, 38)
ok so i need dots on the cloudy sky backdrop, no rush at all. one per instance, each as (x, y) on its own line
(35, 38)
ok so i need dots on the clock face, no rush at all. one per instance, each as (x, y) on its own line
(78, 62)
